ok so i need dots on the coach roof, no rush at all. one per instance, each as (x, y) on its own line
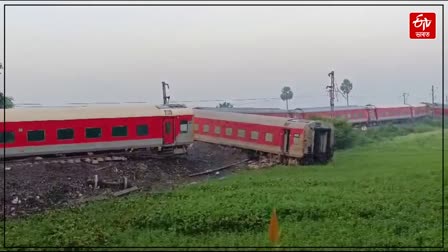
(278, 110)
(93, 112)
(249, 118)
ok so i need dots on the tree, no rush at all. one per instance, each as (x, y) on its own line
(5, 102)
(286, 95)
(346, 88)
(225, 105)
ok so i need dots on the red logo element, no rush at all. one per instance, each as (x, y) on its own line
(422, 25)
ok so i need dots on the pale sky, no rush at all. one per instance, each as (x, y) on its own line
(60, 55)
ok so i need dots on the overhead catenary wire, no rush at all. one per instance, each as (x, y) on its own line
(149, 102)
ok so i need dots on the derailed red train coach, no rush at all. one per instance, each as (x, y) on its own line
(357, 115)
(42, 131)
(439, 111)
(293, 140)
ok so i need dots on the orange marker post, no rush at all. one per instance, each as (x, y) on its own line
(274, 232)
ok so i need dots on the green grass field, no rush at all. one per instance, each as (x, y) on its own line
(385, 193)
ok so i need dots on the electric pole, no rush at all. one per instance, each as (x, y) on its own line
(404, 97)
(165, 97)
(432, 94)
(331, 89)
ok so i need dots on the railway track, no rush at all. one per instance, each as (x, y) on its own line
(91, 158)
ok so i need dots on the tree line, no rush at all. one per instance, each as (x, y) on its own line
(287, 94)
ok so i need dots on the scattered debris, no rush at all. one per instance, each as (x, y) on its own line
(217, 169)
(15, 200)
(125, 191)
(102, 168)
(43, 186)
(125, 183)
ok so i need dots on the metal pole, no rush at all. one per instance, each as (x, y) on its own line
(165, 97)
(332, 89)
(432, 94)
(404, 97)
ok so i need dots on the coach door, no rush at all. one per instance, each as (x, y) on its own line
(286, 133)
(372, 116)
(168, 131)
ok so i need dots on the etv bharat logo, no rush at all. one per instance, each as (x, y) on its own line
(422, 25)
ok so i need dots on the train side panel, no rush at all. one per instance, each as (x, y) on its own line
(393, 113)
(84, 135)
(237, 134)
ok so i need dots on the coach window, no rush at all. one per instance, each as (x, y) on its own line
(268, 137)
(296, 138)
(119, 131)
(65, 134)
(142, 130)
(36, 135)
(8, 135)
(93, 132)
(195, 127)
(241, 133)
(217, 130)
(184, 126)
(228, 131)
(205, 128)
(254, 135)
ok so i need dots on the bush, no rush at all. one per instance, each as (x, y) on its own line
(344, 134)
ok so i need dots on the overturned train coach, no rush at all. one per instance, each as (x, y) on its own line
(293, 140)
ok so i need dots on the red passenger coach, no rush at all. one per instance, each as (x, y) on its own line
(297, 140)
(43, 131)
(353, 114)
(437, 110)
(420, 110)
(393, 113)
